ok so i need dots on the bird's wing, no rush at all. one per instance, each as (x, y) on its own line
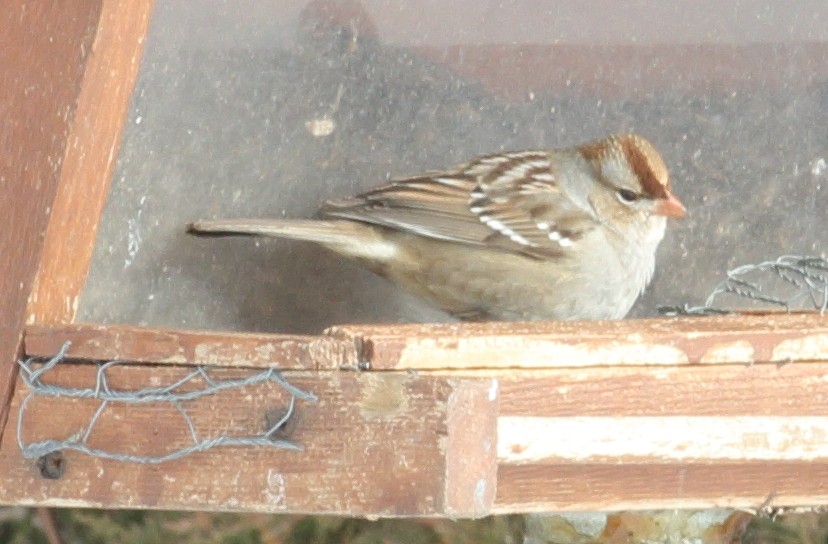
(508, 200)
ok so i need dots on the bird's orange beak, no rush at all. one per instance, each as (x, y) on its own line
(670, 207)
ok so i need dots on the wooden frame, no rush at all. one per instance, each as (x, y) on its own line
(439, 420)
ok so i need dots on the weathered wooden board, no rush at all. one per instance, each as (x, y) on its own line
(101, 107)
(795, 389)
(572, 427)
(702, 341)
(689, 436)
(603, 487)
(388, 444)
(66, 75)
(661, 439)
(166, 346)
(742, 339)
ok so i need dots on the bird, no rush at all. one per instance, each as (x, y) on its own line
(537, 235)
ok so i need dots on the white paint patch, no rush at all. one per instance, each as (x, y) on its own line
(525, 440)
(275, 491)
(520, 352)
(808, 348)
(265, 351)
(494, 389)
(740, 351)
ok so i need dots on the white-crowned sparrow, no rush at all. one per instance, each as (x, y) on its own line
(530, 235)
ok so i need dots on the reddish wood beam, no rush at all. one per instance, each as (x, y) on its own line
(745, 339)
(378, 444)
(44, 53)
(67, 74)
(602, 487)
(165, 346)
(101, 104)
(705, 341)
(587, 433)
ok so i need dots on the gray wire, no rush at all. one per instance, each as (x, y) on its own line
(34, 369)
(802, 279)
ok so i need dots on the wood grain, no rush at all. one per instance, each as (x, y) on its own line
(745, 339)
(660, 439)
(102, 102)
(375, 444)
(44, 52)
(166, 346)
(796, 389)
(477, 435)
(605, 487)
(471, 450)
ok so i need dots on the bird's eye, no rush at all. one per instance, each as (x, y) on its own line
(626, 195)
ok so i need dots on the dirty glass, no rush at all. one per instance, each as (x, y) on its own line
(267, 108)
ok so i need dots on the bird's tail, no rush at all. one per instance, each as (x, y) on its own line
(346, 237)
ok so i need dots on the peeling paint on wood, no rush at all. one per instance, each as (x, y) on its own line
(519, 352)
(164, 346)
(555, 440)
(745, 339)
(738, 350)
(811, 347)
(463, 420)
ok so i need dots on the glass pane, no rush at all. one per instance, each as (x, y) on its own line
(268, 108)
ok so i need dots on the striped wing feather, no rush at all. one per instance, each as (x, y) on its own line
(508, 200)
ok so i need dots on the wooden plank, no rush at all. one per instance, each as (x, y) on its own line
(44, 51)
(166, 346)
(102, 102)
(606, 421)
(606, 487)
(789, 390)
(745, 339)
(377, 444)
(670, 343)
(660, 439)
(471, 450)
(618, 438)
